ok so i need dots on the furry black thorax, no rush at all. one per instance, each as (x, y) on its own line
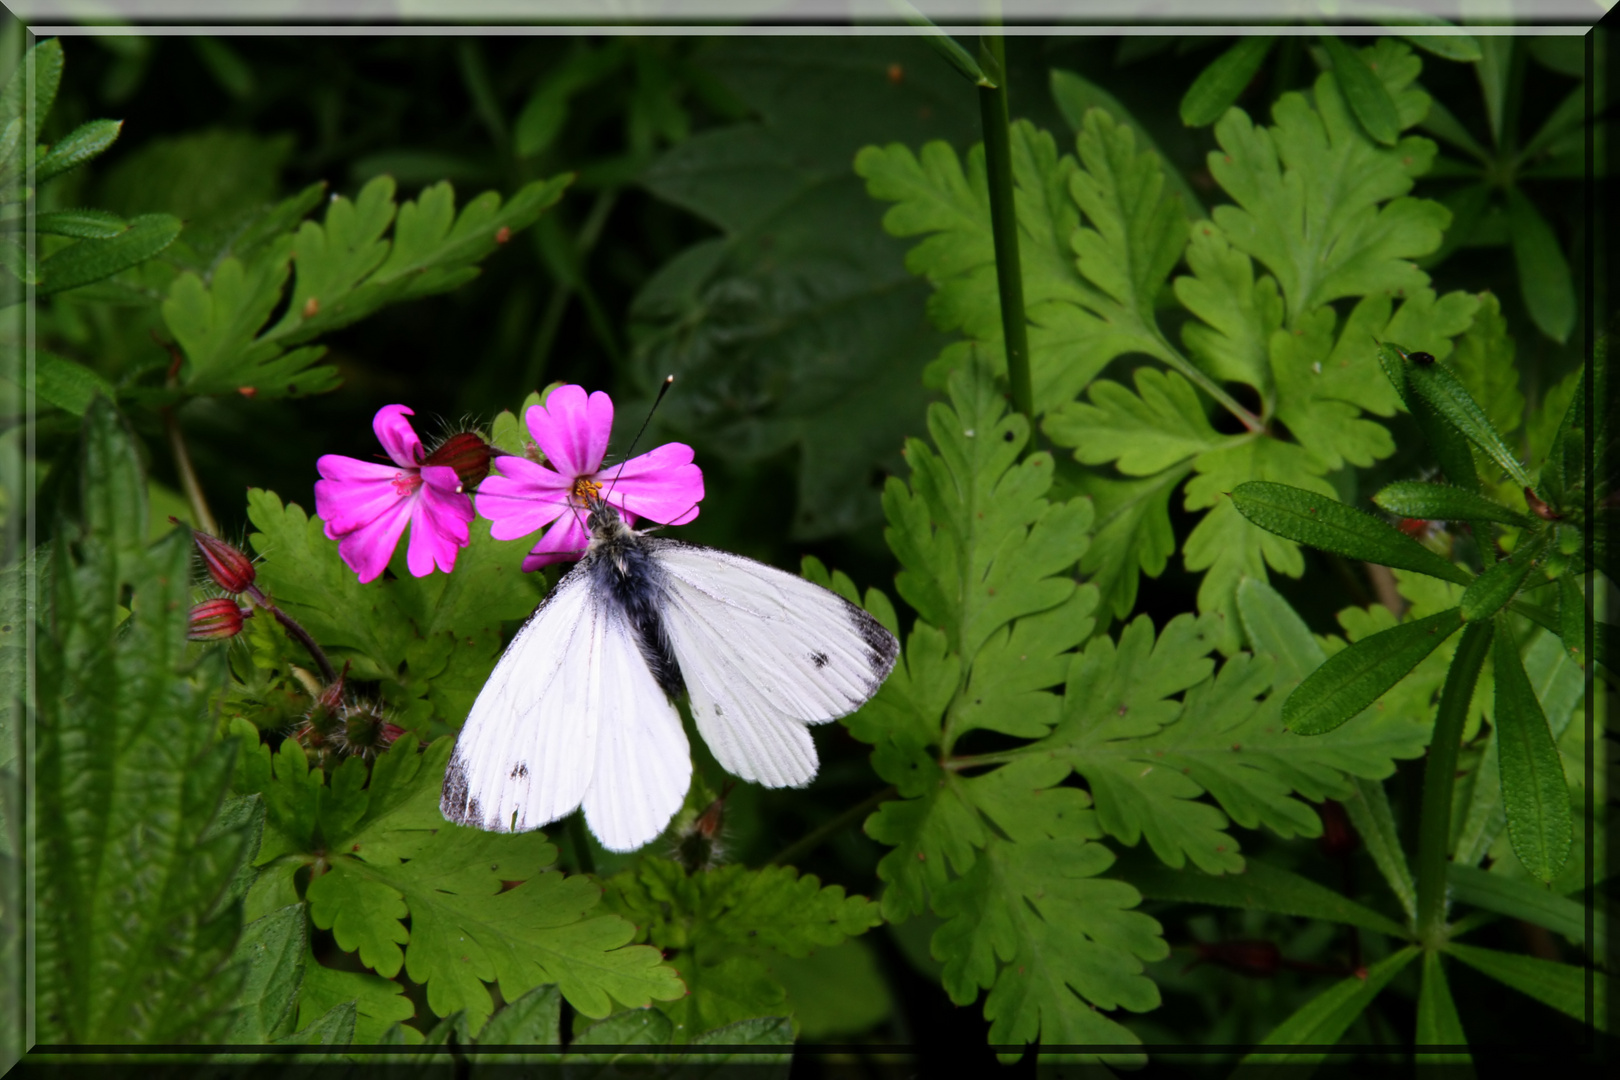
(623, 569)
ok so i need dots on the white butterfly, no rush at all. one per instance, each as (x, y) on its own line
(578, 711)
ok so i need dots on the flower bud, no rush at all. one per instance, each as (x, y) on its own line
(366, 731)
(467, 453)
(230, 569)
(215, 620)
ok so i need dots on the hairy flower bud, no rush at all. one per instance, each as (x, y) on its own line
(230, 569)
(215, 620)
(467, 453)
(366, 730)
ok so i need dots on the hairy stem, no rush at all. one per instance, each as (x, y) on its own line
(1439, 776)
(1004, 226)
(328, 672)
(816, 837)
(201, 515)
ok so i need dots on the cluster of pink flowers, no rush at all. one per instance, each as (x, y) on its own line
(367, 505)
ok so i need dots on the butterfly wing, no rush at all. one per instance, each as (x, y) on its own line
(571, 714)
(763, 654)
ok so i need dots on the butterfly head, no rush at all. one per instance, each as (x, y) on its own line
(602, 517)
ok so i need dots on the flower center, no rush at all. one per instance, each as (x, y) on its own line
(585, 489)
(406, 482)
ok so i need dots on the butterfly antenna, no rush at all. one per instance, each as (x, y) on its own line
(669, 380)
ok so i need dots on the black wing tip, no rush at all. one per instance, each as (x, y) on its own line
(882, 647)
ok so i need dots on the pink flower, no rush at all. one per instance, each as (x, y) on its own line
(572, 430)
(366, 505)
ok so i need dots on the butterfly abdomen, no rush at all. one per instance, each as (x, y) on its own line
(627, 575)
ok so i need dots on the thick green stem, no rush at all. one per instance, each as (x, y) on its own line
(1440, 776)
(1004, 225)
(816, 837)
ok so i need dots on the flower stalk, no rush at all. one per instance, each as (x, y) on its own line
(1004, 225)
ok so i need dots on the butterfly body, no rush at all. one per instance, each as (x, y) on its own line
(579, 711)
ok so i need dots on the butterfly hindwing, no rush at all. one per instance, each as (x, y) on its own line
(764, 653)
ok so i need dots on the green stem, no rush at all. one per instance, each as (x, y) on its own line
(201, 515)
(814, 839)
(1004, 225)
(1439, 777)
(584, 862)
(298, 633)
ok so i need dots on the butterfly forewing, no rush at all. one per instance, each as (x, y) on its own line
(764, 653)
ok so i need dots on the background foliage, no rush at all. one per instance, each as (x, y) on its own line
(1080, 811)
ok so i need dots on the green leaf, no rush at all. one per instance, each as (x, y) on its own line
(1437, 1021)
(1322, 1021)
(131, 939)
(1374, 822)
(85, 142)
(1544, 275)
(839, 991)
(532, 1020)
(1572, 615)
(31, 91)
(1076, 95)
(1309, 518)
(722, 927)
(93, 260)
(1260, 887)
(1492, 590)
(335, 1027)
(81, 224)
(271, 951)
(378, 1003)
(1219, 85)
(1559, 985)
(1440, 502)
(1363, 91)
(67, 384)
(542, 118)
(1534, 792)
(1459, 47)
(1447, 396)
(1161, 425)
(1353, 679)
(1535, 904)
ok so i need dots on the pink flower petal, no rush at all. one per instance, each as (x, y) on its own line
(572, 430)
(348, 470)
(565, 541)
(368, 548)
(397, 435)
(439, 521)
(346, 505)
(523, 497)
(661, 485)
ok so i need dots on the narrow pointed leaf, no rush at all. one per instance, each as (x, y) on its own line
(1324, 1019)
(92, 260)
(1309, 517)
(1520, 899)
(1491, 591)
(1353, 679)
(1567, 117)
(79, 146)
(1459, 47)
(1260, 887)
(1219, 85)
(1374, 820)
(1572, 618)
(1364, 91)
(81, 224)
(1442, 390)
(1544, 277)
(1534, 791)
(1442, 502)
(1437, 1021)
(1563, 986)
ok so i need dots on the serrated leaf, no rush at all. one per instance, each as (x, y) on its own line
(335, 1027)
(533, 1019)
(1308, 518)
(1445, 394)
(1161, 425)
(131, 938)
(1534, 792)
(93, 260)
(1353, 679)
(1441, 502)
(1562, 986)
(1219, 85)
(83, 143)
(271, 953)
(379, 1004)
(1076, 95)
(1322, 1021)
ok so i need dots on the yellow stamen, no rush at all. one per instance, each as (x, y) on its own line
(585, 489)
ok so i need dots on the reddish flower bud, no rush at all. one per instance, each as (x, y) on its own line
(215, 620)
(1338, 835)
(230, 569)
(1413, 527)
(467, 453)
(1539, 508)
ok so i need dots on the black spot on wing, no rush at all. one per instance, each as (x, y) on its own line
(819, 659)
(520, 770)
